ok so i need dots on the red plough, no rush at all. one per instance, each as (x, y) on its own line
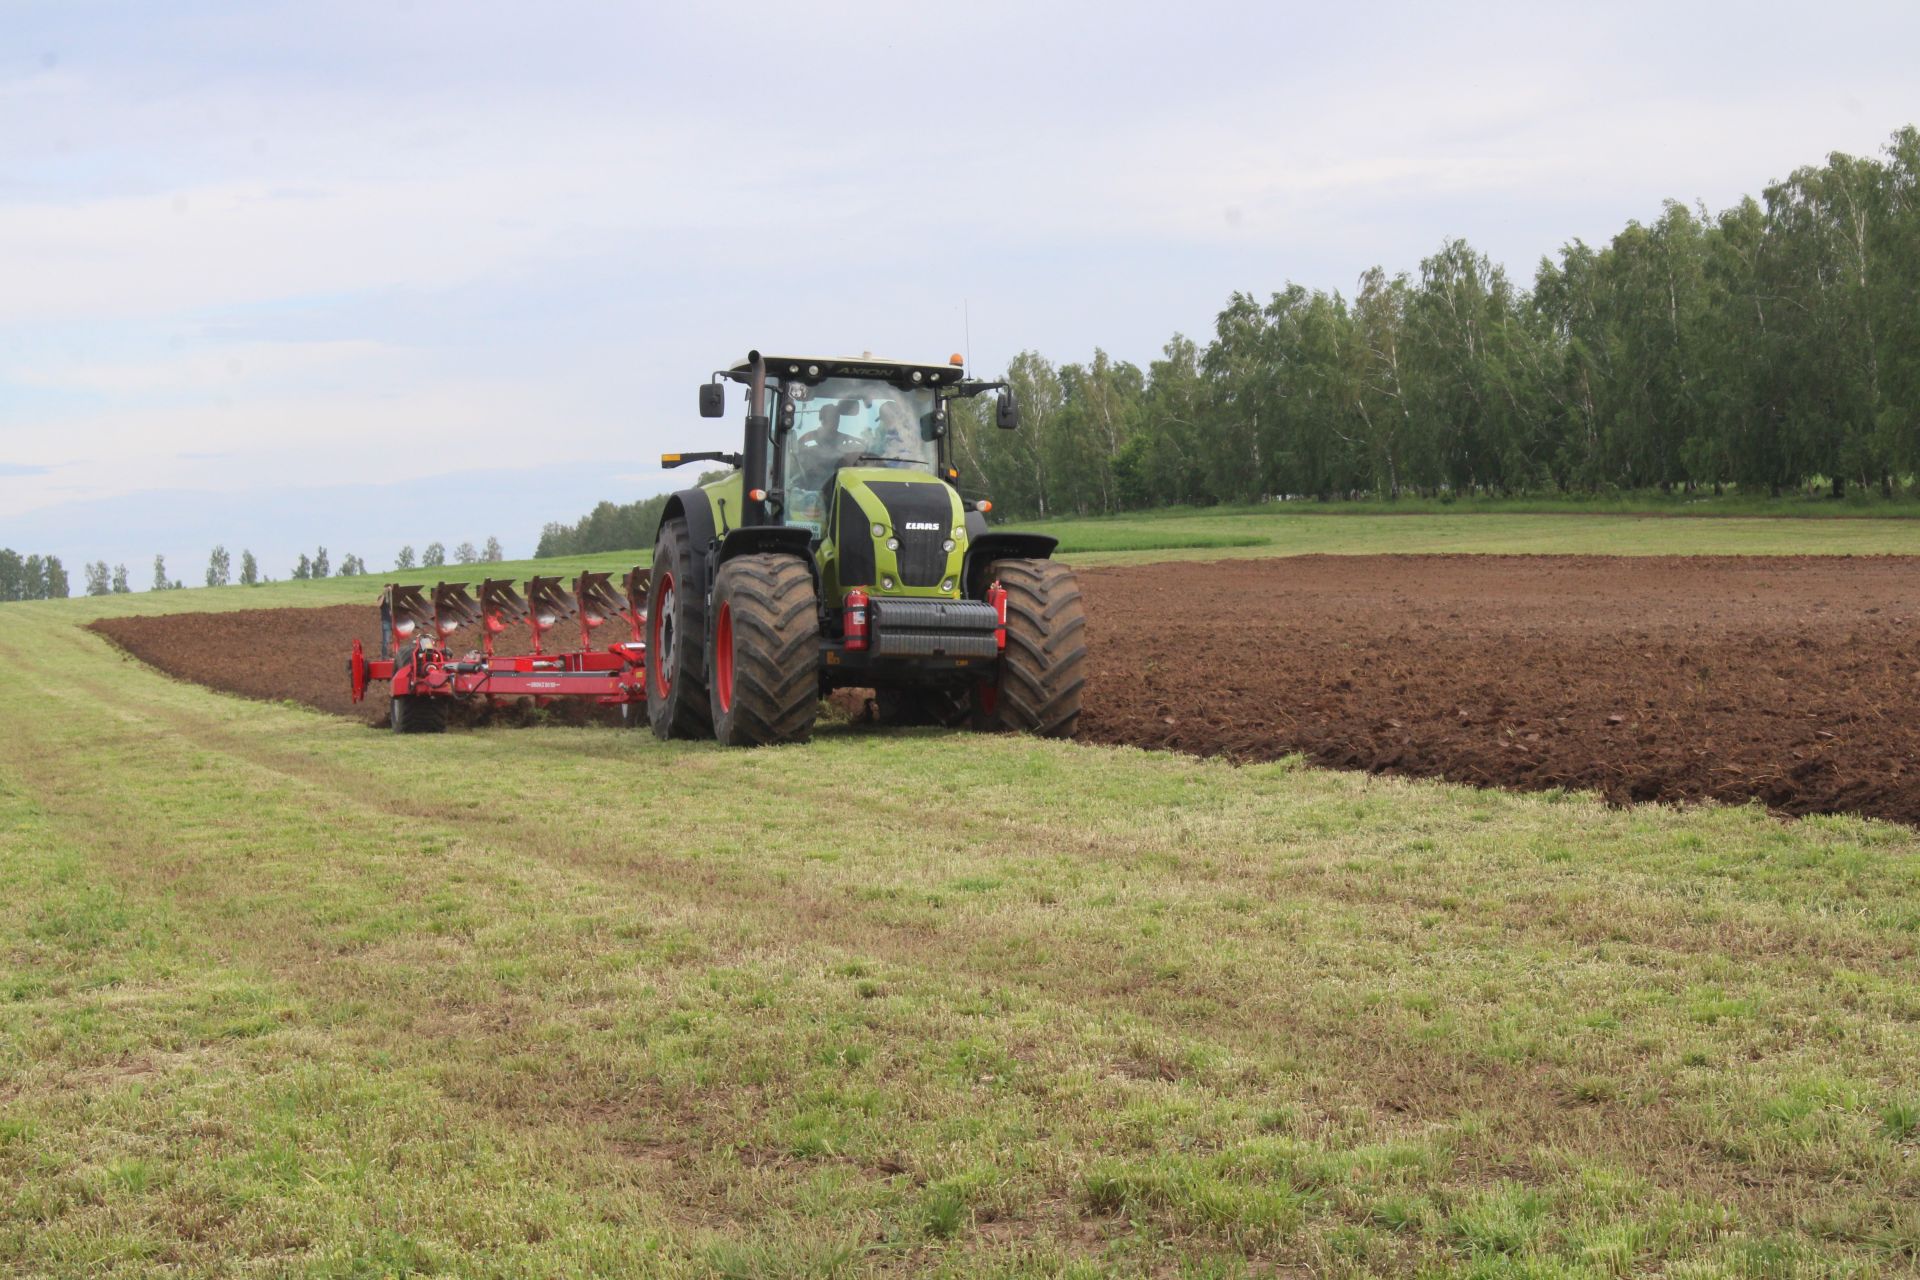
(424, 673)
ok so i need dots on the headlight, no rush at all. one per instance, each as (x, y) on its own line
(886, 584)
(946, 584)
(893, 544)
(947, 545)
(879, 531)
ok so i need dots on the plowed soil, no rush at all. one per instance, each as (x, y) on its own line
(1790, 681)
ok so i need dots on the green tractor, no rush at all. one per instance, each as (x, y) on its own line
(839, 554)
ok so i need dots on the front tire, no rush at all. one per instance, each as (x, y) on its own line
(766, 651)
(676, 640)
(1037, 688)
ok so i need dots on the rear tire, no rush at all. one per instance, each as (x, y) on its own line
(418, 713)
(1037, 688)
(766, 651)
(676, 640)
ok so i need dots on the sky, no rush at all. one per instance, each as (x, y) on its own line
(279, 276)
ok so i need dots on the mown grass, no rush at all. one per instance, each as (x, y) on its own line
(282, 994)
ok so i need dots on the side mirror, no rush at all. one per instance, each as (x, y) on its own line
(713, 400)
(1006, 412)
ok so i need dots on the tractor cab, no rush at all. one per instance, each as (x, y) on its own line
(872, 415)
(827, 414)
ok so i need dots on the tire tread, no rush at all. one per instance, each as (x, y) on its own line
(776, 651)
(1043, 669)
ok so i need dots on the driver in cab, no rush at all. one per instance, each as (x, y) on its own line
(822, 451)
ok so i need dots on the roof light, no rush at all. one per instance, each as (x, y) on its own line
(916, 375)
(956, 359)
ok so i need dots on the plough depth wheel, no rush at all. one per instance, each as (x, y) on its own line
(413, 713)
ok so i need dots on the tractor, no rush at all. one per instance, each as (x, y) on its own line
(838, 552)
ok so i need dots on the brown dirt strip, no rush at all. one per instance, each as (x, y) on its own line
(1787, 680)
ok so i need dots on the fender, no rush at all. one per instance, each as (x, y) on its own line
(693, 506)
(988, 547)
(793, 540)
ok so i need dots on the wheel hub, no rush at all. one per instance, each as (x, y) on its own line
(665, 647)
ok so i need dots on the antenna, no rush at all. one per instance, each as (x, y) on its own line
(966, 328)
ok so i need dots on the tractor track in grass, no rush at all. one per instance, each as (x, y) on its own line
(1409, 1083)
(1791, 681)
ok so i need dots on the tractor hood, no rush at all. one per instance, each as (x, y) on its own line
(897, 532)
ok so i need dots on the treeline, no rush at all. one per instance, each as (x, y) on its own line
(31, 577)
(435, 555)
(1770, 346)
(610, 526)
(102, 579)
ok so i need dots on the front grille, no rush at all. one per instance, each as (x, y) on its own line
(922, 562)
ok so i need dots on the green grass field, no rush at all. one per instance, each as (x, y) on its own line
(1304, 528)
(281, 995)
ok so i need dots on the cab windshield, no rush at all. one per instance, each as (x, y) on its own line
(853, 422)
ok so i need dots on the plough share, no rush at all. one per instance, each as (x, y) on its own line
(425, 675)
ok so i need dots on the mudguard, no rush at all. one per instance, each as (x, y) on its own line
(796, 540)
(693, 506)
(988, 547)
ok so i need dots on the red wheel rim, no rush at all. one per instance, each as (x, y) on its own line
(723, 656)
(660, 656)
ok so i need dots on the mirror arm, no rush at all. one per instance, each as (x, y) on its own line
(671, 460)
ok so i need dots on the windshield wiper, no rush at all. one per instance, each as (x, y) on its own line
(881, 457)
